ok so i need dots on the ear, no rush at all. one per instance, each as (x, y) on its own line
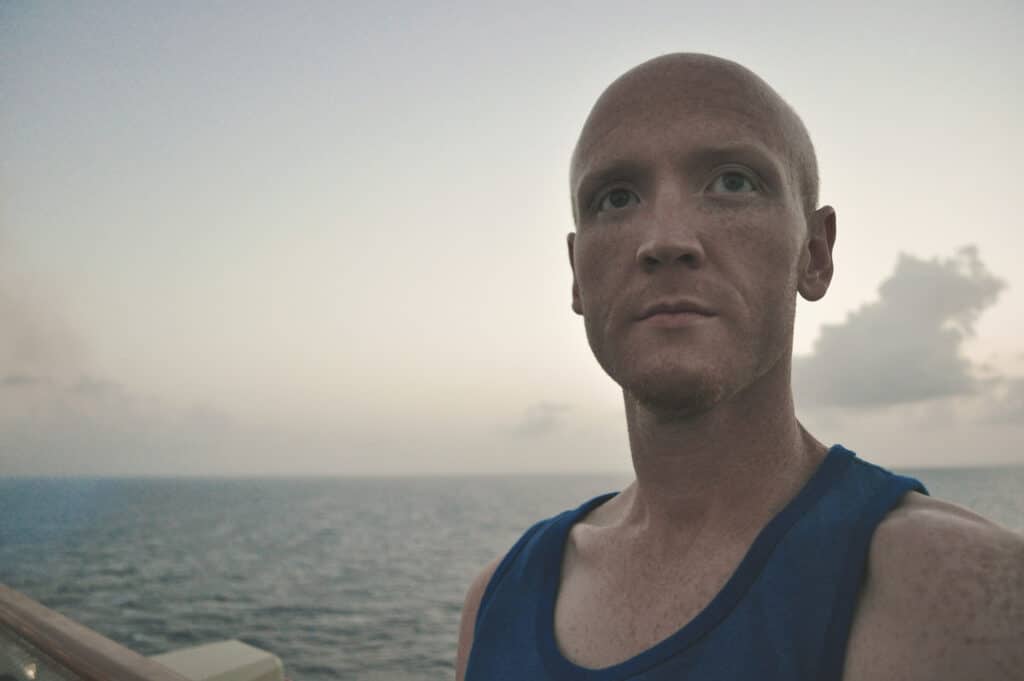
(577, 306)
(816, 273)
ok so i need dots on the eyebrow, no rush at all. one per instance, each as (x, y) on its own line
(617, 168)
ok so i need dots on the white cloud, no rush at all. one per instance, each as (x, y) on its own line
(906, 346)
(893, 383)
(541, 418)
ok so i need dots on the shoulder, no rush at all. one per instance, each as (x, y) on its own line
(470, 607)
(944, 594)
(478, 587)
(475, 594)
(926, 542)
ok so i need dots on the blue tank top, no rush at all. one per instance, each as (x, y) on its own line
(785, 613)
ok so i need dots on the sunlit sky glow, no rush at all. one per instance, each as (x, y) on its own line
(250, 238)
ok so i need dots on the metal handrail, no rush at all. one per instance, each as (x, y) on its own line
(82, 651)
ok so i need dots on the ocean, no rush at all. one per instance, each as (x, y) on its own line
(342, 578)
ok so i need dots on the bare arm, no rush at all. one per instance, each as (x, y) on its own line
(944, 599)
(469, 612)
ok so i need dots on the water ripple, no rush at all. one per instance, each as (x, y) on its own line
(353, 579)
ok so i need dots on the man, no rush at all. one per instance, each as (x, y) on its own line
(745, 548)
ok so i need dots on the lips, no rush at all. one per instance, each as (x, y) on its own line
(671, 307)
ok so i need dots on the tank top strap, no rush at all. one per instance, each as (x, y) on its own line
(785, 613)
(850, 580)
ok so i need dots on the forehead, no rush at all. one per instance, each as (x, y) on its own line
(654, 114)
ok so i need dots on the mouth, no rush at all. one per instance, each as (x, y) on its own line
(677, 310)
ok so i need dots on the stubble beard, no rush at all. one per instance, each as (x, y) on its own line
(674, 391)
(678, 387)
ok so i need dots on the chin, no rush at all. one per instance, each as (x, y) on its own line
(677, 391)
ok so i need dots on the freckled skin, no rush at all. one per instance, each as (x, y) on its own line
(693, 179)
(943, 599)
(739, 254)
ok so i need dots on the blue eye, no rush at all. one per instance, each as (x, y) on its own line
(616, 199)
(733, 182)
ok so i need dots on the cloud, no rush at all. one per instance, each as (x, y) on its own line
(96, 388)
(17, 380)
(56, 416)
(541, 419)
(893, 383)
(906, 346)
(1005, 403)
(60, 416)
(35, 338)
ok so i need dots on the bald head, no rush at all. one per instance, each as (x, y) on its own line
(687, 82)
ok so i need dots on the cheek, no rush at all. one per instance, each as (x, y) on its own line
(761, 256)
(599, 271)
(602, 274)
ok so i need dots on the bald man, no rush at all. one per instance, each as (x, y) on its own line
(745, 548)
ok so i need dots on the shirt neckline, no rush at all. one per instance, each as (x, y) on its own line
(829, 470)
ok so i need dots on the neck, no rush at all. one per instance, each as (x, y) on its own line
(727, 469)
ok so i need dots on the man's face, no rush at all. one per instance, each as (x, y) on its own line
(687, 202)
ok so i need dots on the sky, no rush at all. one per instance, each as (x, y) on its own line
(329, 238)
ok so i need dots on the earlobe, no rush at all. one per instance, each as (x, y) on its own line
(817, 275)
(577, 307)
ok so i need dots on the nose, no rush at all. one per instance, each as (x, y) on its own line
(670, 243)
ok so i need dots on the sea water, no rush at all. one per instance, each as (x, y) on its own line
(341, 578)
